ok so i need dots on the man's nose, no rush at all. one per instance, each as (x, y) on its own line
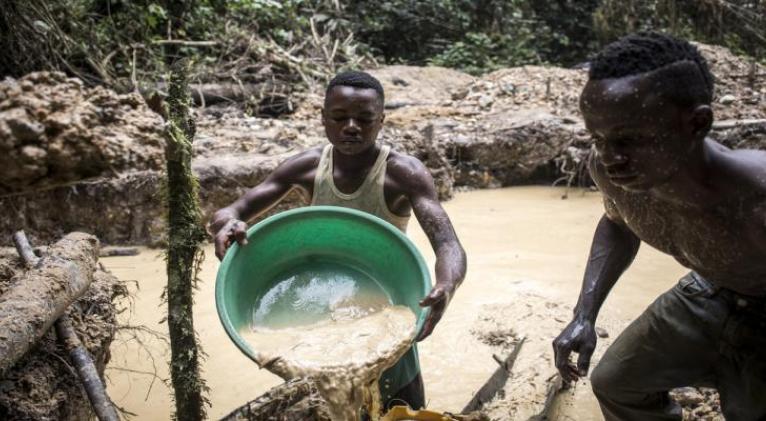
(611, 156)
(351, 126)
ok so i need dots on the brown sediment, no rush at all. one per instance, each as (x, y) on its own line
(343, 357)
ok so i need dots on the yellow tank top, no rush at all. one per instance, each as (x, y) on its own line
(369, 197)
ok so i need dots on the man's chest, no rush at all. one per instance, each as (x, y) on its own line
(720, 237)
(392, 189)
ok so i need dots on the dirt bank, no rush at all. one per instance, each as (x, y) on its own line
(54, 130)
(510, 127)
(43, 385)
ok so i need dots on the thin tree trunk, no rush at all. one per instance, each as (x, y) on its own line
(185, 233)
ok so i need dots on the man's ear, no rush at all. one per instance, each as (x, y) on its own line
(323, 117)
(701, 120)
(382, 117)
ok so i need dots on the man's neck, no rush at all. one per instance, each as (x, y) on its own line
(354, 163)
(691, 185)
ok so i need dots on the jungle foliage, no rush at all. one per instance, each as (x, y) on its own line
(123, 42)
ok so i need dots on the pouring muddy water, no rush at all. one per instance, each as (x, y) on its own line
(326, 293)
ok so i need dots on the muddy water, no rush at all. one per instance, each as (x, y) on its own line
(334, 324)
(318, 291)
(520, 242)
(345, 355)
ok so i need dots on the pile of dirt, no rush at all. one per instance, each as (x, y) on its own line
(740, 94)
(43, 385)
(519, 88)
(412, 86)
(55, 130)
(740, 84)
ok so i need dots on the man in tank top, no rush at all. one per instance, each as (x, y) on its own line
(355, 171)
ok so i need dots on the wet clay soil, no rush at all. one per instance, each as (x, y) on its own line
(526, 254)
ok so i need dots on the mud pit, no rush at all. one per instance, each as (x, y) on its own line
(527, 249)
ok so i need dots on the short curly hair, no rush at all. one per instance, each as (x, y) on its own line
(357, 79)
(648, 51)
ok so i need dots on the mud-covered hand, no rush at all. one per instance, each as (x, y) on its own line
(231, 231)
(580, 337)
(437, 299)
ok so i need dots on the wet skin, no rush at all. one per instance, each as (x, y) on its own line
(352, 118)
(667, 185)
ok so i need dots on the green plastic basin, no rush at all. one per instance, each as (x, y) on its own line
(317, 236)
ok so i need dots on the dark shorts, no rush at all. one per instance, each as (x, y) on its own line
(402, 384)
(696, 334)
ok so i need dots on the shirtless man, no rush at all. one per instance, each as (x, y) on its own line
(647, 104)
(355, 171)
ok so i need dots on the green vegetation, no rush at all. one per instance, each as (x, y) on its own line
(737, 24)
(122, 43)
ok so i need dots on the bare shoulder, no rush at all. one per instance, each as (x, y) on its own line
(759, 224)
(305, 159)
(409, 172)
(298, 165)
(744, 172)
(745, 169)
(755, 169)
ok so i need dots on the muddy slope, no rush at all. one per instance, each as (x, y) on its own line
(54, 130)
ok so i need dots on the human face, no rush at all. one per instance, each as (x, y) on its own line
(352, 118)
(642, 139)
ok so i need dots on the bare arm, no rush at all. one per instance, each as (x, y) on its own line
(613, 249)
(229, 224)
(450, 257)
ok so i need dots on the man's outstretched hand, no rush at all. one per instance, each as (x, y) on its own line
(231, 231)
(580, 337)
(438, 299)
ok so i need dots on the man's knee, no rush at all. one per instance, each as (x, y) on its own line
(604, 378)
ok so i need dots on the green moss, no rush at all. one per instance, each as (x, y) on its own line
(184, 255)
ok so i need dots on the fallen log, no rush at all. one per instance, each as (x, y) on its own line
(79, 356)
(214, 93)
(555, 386)
(30, 306)
(731, 124)
(496, 382)
(118, 251)
(296, 399)
(185, 43)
